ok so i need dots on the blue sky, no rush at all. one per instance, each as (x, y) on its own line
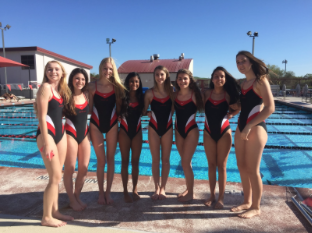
(210, 32)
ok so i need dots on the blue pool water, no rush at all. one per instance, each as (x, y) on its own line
(288, 127)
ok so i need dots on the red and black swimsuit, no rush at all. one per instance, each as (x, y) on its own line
(250, 107)
(104, 115)
(161, 120)
(216, 123)
(131, 124)
(185, 116)
(76, 125)
(54, 118)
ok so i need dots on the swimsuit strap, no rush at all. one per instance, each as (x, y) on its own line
(225, 95)
(210, 94)
(153, 92)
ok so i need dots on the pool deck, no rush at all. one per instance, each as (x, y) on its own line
(21, 193)
(296, 102)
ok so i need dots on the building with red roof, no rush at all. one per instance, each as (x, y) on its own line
(146, 68)
(36, 58)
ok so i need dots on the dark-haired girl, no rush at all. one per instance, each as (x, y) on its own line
(160, 127)
(78, 141)
(187, 102)
(257, 104)
(130, 133)
(222, 96)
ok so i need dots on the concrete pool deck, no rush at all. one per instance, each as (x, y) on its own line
(21, 193)
(297, 102)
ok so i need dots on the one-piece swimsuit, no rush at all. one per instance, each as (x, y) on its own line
(131, 123)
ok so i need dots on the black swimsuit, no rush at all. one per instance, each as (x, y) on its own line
(185, 116)
(216, 123)
(250, 107)
(131, 124)
(54, 119)
(76, 125)
(161, 120)
(104, 115)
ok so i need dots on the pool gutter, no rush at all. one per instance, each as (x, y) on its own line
(294, 105)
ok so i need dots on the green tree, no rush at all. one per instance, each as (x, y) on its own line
(290, 74)
(275, 71)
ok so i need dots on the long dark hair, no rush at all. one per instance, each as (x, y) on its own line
(231, 86)
(258, 67)
(70, 107)
(138, 93)
(193, 86)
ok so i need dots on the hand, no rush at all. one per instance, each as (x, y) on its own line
(245, 133)
(149, 114)
(47, 151)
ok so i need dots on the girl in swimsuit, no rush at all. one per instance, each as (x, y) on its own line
(222, 96)
(160, 127)
(105, 97)
(51, 138)
(257, 104)
(78, 140)
(188, 101)
(130, 133)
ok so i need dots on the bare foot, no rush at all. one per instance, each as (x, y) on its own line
(127, 197)
(136, 196)
(219, 205)
(186, 198)
(210, 201)
(250, 213)
(162, 194)
(108, 198)
(182, 194)
(74, 204)
(155, 196)
(101, 199)
(84, 205)
(63, 217)
(52, 222)
(240, 207)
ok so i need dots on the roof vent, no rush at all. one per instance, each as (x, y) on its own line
(156, 56)
(151, 58)
(182, 55)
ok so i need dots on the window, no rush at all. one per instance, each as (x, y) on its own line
(28, 60)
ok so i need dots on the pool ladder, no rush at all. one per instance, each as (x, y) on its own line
(304, 209)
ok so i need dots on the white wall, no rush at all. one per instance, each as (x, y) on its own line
(18, 75)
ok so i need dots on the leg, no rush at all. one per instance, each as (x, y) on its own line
(189, 147)
(253, 149)
(69, 169)
(136, 147)
(124, 145)
(111, 144)
(166, 145)
(154, 144)
(241, 164)
(62, 150)
(179, 143)
(84, 152)
(211, 153)
(223, 149)
(51, 192)
(98, 145)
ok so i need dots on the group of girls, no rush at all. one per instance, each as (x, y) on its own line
(110, 101)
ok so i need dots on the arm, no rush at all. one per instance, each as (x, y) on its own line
(43, 97)
(263, 89)
(91, 91)
(234, 109)
(147, 100)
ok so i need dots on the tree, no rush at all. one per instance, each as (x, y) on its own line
(289, 74)
(275, 71)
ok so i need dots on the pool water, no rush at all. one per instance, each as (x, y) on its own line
(286, 161)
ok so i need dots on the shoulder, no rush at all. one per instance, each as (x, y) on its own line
(46, 88)
(207, 93)
(262, 84)
(90, 88)
(228, 97)
(149, 93)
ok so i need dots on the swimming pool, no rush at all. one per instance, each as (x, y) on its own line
(286, 161)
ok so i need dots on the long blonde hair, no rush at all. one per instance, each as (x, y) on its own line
(168, 87)
(63, 89)
(114, 79)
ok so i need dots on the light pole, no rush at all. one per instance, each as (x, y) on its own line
(285, 61)
(5, 74)
(110, 43)
(253, 40)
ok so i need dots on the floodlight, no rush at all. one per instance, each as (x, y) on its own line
(249, 33)
(255, 33)
(0, 24)
(113, 40)
(107, 40)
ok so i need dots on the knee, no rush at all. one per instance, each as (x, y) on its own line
(69, 170)
(56, 178)
(101, 163)
(165, 162)
(212, 166)
(135, 162)
(125, 162)
(252, 172)
(221, 168)
(241, 166)
(83, 171)
(156, 162)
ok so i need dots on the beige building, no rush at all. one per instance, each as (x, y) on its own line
(146, 68)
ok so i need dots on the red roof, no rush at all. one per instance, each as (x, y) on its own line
(146, 66)
(47, 52)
